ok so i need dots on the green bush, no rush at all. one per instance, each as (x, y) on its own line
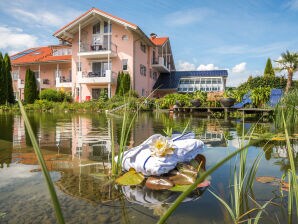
(54, 95)
(260, 96)
(261, 81)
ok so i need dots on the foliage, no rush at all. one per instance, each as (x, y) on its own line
(30, 90)
(261, 81)
(260, 96)
(228, 93)
(200, 95)
(3, 85)
(288, 62)
(171, 99)
(269, 71)
(123, 83)
(55, 96)
(289, 106)
(7, 68)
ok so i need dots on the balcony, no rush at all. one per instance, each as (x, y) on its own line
(92, 77)
(160, 65)
(99, 47)
(63, 82)
(21, 84)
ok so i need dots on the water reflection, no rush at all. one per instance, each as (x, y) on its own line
(79, 148)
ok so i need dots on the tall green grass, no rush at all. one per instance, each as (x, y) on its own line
(42, 163)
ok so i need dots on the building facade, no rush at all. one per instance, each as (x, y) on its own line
(93, 49)
(99, 46)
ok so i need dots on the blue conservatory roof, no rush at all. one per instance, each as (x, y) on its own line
(171, 80)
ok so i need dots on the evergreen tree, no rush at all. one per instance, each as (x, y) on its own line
(3, 81)
(269, 71)
(10, 95)
(126, 83)
(118, 83)
(30, 90)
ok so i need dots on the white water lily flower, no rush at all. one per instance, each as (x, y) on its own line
(161, 147)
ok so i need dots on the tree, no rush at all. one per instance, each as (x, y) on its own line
(9, 94)
(30, 90)
(118, 83)
(3, 86)
(269, 71)
(288, 62)
(126, 83)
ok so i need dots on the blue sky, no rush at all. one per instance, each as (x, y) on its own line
(238, 35)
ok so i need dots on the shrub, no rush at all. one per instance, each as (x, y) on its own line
(260, 95)
(54, 95)
(261, 81)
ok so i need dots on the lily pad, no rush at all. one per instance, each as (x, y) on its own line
(158, 183)
(130, 178)
(267, 179)
(181, 178)
(181, 188)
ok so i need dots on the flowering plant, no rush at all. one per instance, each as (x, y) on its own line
(161, 147)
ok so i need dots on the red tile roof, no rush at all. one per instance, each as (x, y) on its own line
(96, 10)
(159, 40)
(38, 54)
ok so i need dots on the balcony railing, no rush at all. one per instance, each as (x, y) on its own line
(95, 77)
(100, 43)
(62, 81)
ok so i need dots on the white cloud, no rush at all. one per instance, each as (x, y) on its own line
(186, 17)
(207, 67)
(14, 39)
(34, 13)
(185, 66)
(239, 68)
(44, 17)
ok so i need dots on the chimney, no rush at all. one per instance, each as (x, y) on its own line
(153, 35)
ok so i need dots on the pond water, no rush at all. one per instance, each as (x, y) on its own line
(77, 150)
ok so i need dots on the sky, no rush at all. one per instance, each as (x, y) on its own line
(238, 35)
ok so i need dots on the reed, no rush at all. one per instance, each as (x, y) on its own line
(44, 168)
(200, 179)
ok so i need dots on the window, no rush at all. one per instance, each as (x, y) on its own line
(96, 28)
(125, 37)
(15, 75)
(143, 70)
(106, 28)
(143, 92)
(99, 69)
(62, 51)
(124, 64)
(79, 66)
(143, 47)
(155, 75)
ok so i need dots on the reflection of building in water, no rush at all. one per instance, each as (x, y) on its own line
(213, 135)
(282, 151)
(90, 142)
(79, 136)
(19, 140)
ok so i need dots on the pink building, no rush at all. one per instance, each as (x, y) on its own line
(97, 46)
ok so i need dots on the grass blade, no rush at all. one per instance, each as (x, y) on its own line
(42, 163)
(199, 180)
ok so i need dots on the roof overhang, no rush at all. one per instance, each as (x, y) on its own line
(40, 62)
(67, 32)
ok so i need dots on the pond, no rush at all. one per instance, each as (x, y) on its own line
(77, 150)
